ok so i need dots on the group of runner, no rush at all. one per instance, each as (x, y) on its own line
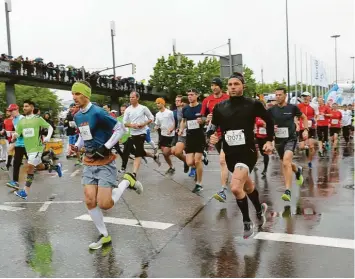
(233, 123)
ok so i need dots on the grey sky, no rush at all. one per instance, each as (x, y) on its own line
(78, 33)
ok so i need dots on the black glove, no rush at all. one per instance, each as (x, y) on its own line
(102, 151)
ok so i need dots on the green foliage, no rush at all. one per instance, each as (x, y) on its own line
(42, 97)
(172, 79)
(100, 99)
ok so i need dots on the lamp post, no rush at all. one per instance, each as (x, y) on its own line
(113, 33)
(288, 54)
(353, 58)
(336, 58)
(8, 9)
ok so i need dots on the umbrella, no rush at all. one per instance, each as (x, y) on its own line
(70, 66)
(61, 65)
(38, 59)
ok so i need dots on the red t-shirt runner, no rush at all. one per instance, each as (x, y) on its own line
(322, 119)
(260, 129)
(9, 127)
(209, 103)
(335, 120)
(310, 113)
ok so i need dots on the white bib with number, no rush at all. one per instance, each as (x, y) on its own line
(262, 131)
(85, 132)
(192, 124)
(28, 132)
(72, 124)
(321, 117)
(282, 133)
(309, 123)
(235, 137)
(9, 133)
(335, 121)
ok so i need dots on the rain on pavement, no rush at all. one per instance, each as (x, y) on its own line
(170, 232)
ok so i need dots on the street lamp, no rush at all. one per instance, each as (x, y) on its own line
(336, 58)
(288, 54)
(353, 58)
(8, 9)
(113, 33)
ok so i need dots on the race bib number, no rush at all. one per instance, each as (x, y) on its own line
(72, 124)
(309, 123)
(282, 133)
(235, 137)
(192, 124)
(335, 121)
(9, 133)
(28, 132)
(321, 117)
(262, 131)
(85, 132)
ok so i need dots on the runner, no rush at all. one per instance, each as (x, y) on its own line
(322, 125)
(99, 174)
(3, 145)
(236, 118)
(29, 127)
(310, 112)
(283, 115)
(72, 134)
(164, 120)
(135, 117)
(195, 137)
(261, 137)
(9, 129)
(20, 150)
(208, 105)
(180, 140)
(335, 126)
(346, 123)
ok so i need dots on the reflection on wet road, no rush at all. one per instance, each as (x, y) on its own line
(312, 236)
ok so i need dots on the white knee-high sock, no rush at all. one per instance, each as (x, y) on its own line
(152, 144)
(117, 192)
(98, 219)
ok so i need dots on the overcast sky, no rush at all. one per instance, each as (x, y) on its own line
(78, 32)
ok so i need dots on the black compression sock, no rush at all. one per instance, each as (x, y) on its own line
(243, 206)
(254, 197)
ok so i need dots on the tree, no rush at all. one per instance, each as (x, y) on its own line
(250, 83)
(46, 100)
(174, 80)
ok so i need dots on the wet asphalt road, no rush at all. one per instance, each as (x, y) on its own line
(204, 238)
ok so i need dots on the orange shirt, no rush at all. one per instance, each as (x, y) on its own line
(260, 129)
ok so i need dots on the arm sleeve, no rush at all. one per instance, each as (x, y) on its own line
(264, 115)
(125, 117)
(148, 114)
(172, 119)
(216, 116)
(118, 132)
(80, 142)
(156, 120)
(18, 128)
(204, 107)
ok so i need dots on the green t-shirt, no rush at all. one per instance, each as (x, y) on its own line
(126, 135)
(30, 127)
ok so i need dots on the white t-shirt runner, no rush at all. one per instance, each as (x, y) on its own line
(137, 115)
(165, 120)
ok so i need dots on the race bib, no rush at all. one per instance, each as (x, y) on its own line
(85, 132)
(262, 131)
(282, 133)
(192, 124)
(309, 123)
(72, 124)
(335, 121)
(9, 133)
(321, 117)
(28, 132)
(235, 137)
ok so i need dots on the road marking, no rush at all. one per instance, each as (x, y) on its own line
(10, 208)
(129, 222)
(305, 239)
(45, 206)
(74, 173)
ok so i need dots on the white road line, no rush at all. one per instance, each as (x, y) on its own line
(45, 206)
(305, 239)
(10, 208)
(53, 202)
(74, 173)
(129, 222)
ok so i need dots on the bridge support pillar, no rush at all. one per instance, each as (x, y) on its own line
(10, 93)
(115, 104)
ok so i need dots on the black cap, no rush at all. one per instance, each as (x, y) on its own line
(217, 81)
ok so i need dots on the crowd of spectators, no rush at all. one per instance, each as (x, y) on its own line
(37, 68)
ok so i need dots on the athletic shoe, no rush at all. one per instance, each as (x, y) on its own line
(248, 229)
(299, 176)
(102, 240)
(205, 159)
(262, 215)
(286, 196)
(133, 183)
(170, 171)
(22, 194)
(155, 151)
(310, 165)
(58, 169)
(287, 212)
(78, 163)
(122, 170)
(156, 160)
(197, 189)
(220, 196)
(192, 172)
(13, 184)
(186, 168)
(263, 174)
(145, 160)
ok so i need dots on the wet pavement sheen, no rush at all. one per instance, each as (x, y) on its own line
(206, 237)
